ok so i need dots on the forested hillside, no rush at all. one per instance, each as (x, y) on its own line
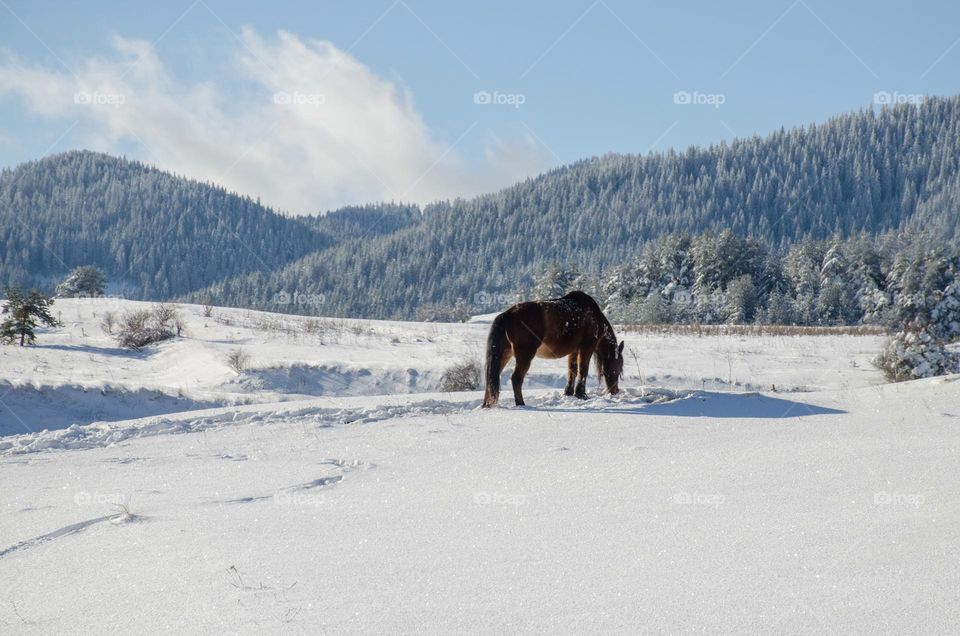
(866, 172)
(161, 236)
(155, 235)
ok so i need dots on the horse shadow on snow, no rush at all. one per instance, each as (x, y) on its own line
(702, 404)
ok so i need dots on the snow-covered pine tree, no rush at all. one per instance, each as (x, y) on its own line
(85, 281)
(919, 348)
(25, 312)
(836, 302)
(945, 315)
(917, 352)
(556, 280)
(779, 309)
(741, 300)
(802, 268)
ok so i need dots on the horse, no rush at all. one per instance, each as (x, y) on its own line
(573, 326)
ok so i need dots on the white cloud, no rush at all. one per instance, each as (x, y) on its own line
(318, 131)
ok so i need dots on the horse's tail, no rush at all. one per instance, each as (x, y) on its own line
(496, 342)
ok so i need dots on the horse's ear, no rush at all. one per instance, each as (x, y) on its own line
(620, 348)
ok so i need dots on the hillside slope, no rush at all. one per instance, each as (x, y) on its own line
(866, 172)
(155, 234)
(162, 236)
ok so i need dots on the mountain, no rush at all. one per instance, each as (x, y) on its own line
(866, 172)
(156, 235)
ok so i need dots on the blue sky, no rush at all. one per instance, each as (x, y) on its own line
(312, 105)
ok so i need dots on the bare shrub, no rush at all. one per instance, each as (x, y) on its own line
(207, 311)
(165, 316)
(326, 330)
(108, 322)
(134, 320)
(141, 327)
(463, 376)
(179, 325)
(238, 359)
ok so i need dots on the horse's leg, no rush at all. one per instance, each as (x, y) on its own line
(583, 370)
(521, 364)
(572, 362)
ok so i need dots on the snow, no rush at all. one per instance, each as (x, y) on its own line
(697, 500)
(482, 319)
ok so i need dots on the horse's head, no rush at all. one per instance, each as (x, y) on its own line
(611, 366)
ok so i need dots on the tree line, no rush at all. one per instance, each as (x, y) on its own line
(871, 172)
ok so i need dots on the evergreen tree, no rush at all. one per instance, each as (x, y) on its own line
(24, 313)
(866, 173)
(741, 300)
(557, 281)
(779, 310)
(85, 281)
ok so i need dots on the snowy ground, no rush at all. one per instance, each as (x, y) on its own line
(330, 489)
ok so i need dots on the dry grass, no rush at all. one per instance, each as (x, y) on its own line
(298, 328)
(755, 330)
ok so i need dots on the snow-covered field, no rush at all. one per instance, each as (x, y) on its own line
(738, 484)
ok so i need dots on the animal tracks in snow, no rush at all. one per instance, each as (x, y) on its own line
(309, 412)
(295, 494)
(123, 516)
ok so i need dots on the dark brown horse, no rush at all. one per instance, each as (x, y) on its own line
(571, 326)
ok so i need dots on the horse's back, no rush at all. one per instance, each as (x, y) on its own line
(584, 299)
(550, 328)
(524, 323)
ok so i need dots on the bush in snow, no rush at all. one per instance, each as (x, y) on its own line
(919, 349)
(464, 376)
(167, 317)
(108, 322)
(946, 313)
(238, 359)
(916, 352)
(86, 281)
(143, 327)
